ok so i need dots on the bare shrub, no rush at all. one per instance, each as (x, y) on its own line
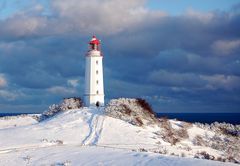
(59, 142)
(221, 159)
(126, 109)
(165, 124)
(139, 121)
(134, 111)
(161, 150)
(188, 148)
(145, 105)
(231, 132)
(225, 128)
(66, 104)
(198, 140)
(204, 155)
(186, 125)
(163, 118)
(183, 154)
(71, 103)
(182, 133)
(142, 150)
(231, 159)
(174, 140)
(167, 134)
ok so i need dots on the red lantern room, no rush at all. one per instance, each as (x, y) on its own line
(94, 44)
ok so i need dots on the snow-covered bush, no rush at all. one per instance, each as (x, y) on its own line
(223, 128)
(183, 154)
(161, 150)
(66, 104)
(199, 141)
(181, 133)
(204, 155)
(221, 159)
(232, 159)
(167, 133)
(171, 135)
(34, 116)
(134, 111)
(57, 142)
(71, 103)
(225, 139)
(142, 150)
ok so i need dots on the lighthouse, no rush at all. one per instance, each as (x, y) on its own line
(94, 90)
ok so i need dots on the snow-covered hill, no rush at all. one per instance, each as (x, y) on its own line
(87, 136)
(16, 121)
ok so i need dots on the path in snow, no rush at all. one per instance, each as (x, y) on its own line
(95, 129)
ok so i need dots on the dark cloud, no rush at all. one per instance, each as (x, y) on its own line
(187, 63)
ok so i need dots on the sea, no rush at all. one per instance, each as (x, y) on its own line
(233, 118)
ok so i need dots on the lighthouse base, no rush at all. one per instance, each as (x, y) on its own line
(94, 100)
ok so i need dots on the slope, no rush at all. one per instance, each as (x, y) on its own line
(87, 136)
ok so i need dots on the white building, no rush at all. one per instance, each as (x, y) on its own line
(94, 91)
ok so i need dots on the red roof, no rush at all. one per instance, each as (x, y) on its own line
(94, 40)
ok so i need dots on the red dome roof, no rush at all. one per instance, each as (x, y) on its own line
(94, 40)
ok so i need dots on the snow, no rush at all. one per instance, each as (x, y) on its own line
(88, 137)
(198, 131)
(93, 155)
(16, 121)
(176, 124)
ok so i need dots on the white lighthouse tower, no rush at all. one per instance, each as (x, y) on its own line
(94, 91)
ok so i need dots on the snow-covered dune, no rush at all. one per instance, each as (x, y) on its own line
(88, 137)
(93, 155)
(16, 121)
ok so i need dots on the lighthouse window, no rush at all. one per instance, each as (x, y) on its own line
(97, 81)
(97, 72)
(97, 62)
(97, 92)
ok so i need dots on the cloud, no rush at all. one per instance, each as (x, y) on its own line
(226, 47)
(228, 82)
(166, 78)
(103, 17)
(188, 62)
(73, 82)
(191, 81)
(204, 17)
(67, 17)
(8, 95)
(61, 90)
(3, 81)
(22, 25)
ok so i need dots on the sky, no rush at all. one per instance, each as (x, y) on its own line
(179, 55)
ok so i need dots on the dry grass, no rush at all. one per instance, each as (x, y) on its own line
(139, 121)
(170, 134)
(145, 105)
(182, 133)
(198, 140)
(126, 109)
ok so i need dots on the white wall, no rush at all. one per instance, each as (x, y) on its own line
(94, 72)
